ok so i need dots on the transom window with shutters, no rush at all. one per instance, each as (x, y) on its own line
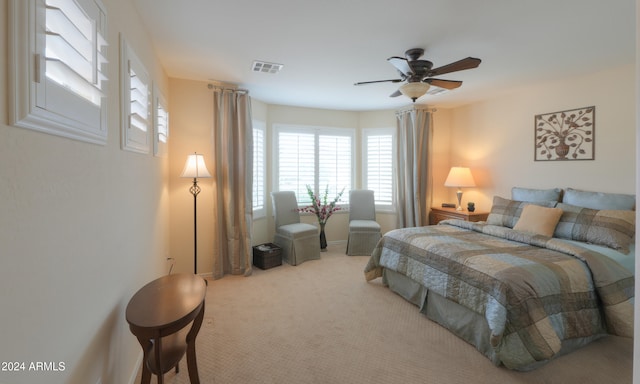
(59, 67)
(161, 124)
(316, 156)
(135, 97)
(378, 154)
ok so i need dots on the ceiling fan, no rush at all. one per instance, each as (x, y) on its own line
(419, 74)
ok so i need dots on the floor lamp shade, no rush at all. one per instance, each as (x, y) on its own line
(195, 168)
(459, 177)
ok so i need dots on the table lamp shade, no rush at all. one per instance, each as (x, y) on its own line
(459, 177)
(195, 167)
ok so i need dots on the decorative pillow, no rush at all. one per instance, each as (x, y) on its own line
(533, 195)
(599, 200)
(611, 228)
(538, 220)
(505, 212)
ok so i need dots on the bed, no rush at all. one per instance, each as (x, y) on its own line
(521, 287)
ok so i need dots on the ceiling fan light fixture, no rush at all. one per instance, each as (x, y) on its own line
(414, 90)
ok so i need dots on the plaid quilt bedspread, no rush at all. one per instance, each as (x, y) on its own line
(534, 291)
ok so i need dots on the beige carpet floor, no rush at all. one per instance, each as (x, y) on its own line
(321, 323)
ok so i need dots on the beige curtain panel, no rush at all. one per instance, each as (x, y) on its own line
(413, 151)
(232, 187)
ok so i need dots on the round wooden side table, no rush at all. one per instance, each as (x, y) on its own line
(156, 314)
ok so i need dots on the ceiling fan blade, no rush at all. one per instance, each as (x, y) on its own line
(460, 65)
(401, 65)
(396, 93)
(446, 84)
(379, 81)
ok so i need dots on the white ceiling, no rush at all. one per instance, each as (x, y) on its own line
(328, 45)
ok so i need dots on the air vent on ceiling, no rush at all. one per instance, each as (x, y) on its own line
(263, 66)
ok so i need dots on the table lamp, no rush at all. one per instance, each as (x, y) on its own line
(459, 177)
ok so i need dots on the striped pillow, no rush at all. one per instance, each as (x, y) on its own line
(612, 228)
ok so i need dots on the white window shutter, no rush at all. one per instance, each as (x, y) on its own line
(296, 163)
(58, 67)
(135, 98)
(259, 168)
(378, 167)
(335, 166)
(316, 156)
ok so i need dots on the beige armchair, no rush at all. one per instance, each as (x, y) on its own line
(364, 231)
(299, 241)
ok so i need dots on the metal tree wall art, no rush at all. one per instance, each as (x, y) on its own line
(566, 135)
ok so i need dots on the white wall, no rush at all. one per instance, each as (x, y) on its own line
(82, 227)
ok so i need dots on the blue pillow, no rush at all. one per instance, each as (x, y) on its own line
(535, 195)
(599, 200)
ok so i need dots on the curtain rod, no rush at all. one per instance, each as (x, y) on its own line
(211, 86)
(416, 107)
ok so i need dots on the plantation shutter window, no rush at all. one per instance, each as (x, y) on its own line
(59, 67)
(378, 165)
(74, 50)
(161, 124)
(335, 165)
(296, 163)
(135, 98)
(316, 156)
(259, 169)
(139, 112)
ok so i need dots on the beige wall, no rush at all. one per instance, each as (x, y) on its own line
(191, 121)
(496, 137)
(82, 227)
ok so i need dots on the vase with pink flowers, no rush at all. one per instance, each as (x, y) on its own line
(323, 209)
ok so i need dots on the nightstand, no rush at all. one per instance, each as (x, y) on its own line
(439, 214)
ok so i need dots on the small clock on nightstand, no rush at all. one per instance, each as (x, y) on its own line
(439, 214)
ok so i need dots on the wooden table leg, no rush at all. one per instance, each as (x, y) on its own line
(192, 363)
(157, 346)
(146, 347)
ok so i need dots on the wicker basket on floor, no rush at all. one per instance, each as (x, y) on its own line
(267, 256)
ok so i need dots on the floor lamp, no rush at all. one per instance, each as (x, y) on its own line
(195, 168)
